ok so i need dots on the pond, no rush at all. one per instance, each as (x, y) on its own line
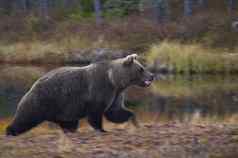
(197, 98)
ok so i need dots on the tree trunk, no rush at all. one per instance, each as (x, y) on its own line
(44, 8)
(232, 8)
(98, 11)
(231, 5)
(163, 11)
(188, 7)
(24, 5)
(202, 3)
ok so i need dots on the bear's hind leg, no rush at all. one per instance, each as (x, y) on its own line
(20, 126)
(69, 126)
(95, 120)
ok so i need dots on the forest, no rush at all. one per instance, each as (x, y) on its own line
(48, 31)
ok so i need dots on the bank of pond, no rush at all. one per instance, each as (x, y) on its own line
(163, 57)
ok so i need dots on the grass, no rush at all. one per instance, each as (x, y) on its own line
(37, 51)
(51, 51)
(30, 52)
(193, 58)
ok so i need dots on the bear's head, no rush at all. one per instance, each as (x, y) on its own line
(129, 71)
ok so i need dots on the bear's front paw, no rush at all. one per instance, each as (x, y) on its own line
(135, 122)
(101, 130)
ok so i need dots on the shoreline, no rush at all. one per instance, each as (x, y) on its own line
(160, 71)
(168, 57)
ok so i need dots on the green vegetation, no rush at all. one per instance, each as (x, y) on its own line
(193, 58)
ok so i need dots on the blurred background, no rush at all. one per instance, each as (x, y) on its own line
(191, 45)
(48, 31)
(190, 110)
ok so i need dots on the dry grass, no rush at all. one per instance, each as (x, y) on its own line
(31, 52)
(51, 51)
(38, 51)
(193, 58)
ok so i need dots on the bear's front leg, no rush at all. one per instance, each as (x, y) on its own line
(95, 119)
(118, 113)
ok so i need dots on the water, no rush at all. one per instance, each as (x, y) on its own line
(206, 98)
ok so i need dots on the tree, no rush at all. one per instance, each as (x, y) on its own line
(162, 10)
(202, 3)
(231, 5)
(122, 7)
(43, 4)
(188, 7)
(23, 5)
(98, 11)
(6, 6)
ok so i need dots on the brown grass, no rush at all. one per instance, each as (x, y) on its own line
(193, 58)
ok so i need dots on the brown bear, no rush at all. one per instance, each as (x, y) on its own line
(68, 94)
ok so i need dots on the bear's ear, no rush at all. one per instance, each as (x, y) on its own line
(130, 59)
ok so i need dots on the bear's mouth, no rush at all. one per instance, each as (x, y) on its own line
(147, 83)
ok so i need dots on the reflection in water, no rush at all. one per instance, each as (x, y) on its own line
(194, 98)
(180, 98)
(14, 82)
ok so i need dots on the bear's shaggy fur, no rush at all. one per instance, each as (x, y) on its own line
(67, 94)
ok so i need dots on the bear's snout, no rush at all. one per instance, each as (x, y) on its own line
(152, 76)
(148, 79)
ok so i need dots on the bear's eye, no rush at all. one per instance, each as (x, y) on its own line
(142, 69)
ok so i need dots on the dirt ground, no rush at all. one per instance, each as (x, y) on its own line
(163, 140)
